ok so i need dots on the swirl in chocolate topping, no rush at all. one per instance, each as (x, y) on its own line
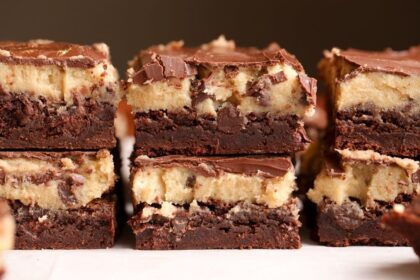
(269, 167)
(43, 52)
(397, 62)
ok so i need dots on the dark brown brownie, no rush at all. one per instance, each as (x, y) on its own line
(89, 227)
(389, 133)
(156, 133)
(218, 228)
(351, 224)
(407, 223)
(29, 123)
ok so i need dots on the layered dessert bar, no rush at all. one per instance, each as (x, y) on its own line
(7, 232)
(406, 220)
(218, 99)
(355, 189)
(56, 96)
(376, 99)
(186, 202)
(60, 200)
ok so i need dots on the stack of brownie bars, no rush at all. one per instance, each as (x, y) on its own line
(57, 107)
(371, 163)
(215, 128)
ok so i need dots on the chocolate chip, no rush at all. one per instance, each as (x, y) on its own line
(191, 181)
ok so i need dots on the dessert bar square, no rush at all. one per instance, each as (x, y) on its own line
(353, 192)
(376, 99)
(214, 203)
(56, 96)
(218, 99)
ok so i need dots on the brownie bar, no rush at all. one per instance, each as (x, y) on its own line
(160, 133)
(244, 226)
(376, 101)
(219, 99)
(406, 221)
(186, 202)
(89, 227)
(351, 224)
(57, 96)
(354, 190)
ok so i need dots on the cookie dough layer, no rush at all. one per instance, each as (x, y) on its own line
(89, 227)
(376, 99)
(56, 180)
(56, 71)
(181, 180)
(206, 79)
(352, 224)
(208, 227)
(160, 133)
(406, 221)
(366, 176)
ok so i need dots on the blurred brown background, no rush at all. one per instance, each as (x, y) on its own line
(305, 28)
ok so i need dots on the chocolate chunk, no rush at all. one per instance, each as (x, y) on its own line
(176, 67)
(149, 72)
(66, 188)
(229, 120)
(191, 180)
(333, 165)
(309, 85)
(2, 176)
(261, 88)
(415, 178)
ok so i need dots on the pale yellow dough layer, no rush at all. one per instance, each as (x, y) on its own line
(60, 84)
(175, 95)
(95, 174)
(366, 180)
(159, 185)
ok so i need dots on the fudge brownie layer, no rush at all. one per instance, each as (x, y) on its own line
(219, 91)
(33, 123)
(56, 180)
(159, 133)
(376, 99)
(353, 192)
(350, 223)
(57, 96)
(89, 227)
(208, 227)
(406, 221)
(183, 180)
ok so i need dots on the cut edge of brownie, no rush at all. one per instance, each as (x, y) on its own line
(159, 133)
(90, 227)
(352, 224)
(32, 123)
(221, 227)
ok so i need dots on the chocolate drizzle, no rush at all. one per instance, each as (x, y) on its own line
(269, 167)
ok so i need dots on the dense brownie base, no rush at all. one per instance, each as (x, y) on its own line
(216, 228)
(33, 123)
(351, 224)
(390, 133)
(93, 226)
(407, 223)
(159, 133)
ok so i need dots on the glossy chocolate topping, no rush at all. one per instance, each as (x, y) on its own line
(398, 62)
(42, 52)
(174, 60)
(211, 166)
